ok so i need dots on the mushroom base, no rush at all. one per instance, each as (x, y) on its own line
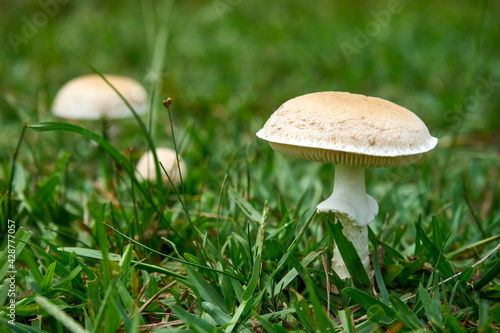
(358, 236)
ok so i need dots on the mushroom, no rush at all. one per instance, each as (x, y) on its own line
(167, 157)
(90, 97)
(353, 132)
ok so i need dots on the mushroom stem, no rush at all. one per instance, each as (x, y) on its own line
(354, 209)
(349, 196)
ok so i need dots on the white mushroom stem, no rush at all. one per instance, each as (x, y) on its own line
(355, 210)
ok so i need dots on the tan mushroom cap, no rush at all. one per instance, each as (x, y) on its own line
(348, 129)
(146, 168)
(90, 97)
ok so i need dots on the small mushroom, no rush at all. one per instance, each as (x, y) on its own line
(353, 132)
(90, 97)
(146, 168)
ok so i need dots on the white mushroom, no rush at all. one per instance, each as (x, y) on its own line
(90, 97)
(146, 168)
(352, 131)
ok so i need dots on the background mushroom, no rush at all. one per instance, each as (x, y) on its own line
(89, 97)
(146, 168)
(352, 131)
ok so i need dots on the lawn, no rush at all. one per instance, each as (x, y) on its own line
(238, 246)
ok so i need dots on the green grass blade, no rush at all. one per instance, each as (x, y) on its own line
(91, 253)
(346, 320)
(18, 327)
(93, 298)
(405, 314)
(217, 314)
(367, 301)
(60, 315)
(246, 207)
(378, 276)
(440, 260)
(97, 211)
(319, 314)
(49, 276)
(195, 323)
(489, 276)
(5, 290)
(205, 290)
(127, 300)
(127, 323)
(350, 256)
(243, 310)
(292, 274)
(12, 172)
(253, 281)
(431, 310)
(268, 327)
(20, 238)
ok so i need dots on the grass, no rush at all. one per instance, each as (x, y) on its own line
(238, 246)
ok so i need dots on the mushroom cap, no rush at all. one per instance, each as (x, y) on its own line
(90, 97)
(167, 157)
(349, 129)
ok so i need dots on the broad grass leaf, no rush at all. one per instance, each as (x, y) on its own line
(217, 314)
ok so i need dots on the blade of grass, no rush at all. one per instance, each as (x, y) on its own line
(378, 274)
(206, 291)
(20, 238)
(98, 213)
(489, 276)
(197, 324)
(367, 301)
(49, 275)
(349, 255)
(12, 171)
(346, 320)
(216, 313)
(405, 313)
(431, 310)
(60, 315)
(440, 260)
